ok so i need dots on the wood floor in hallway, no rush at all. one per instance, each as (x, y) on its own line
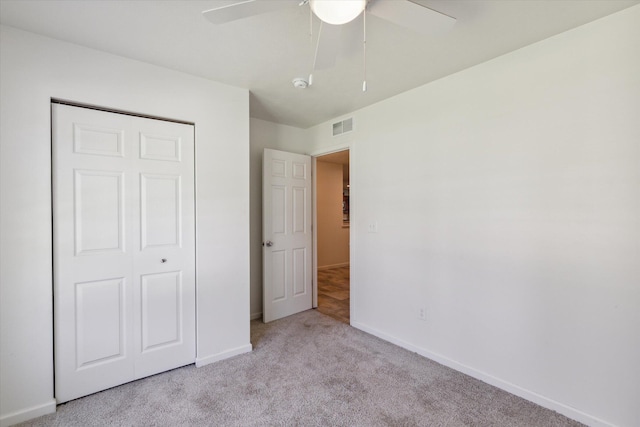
(333, 293)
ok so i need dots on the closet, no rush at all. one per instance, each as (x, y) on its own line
(124, 248)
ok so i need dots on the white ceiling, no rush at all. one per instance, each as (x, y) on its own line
(264, 53)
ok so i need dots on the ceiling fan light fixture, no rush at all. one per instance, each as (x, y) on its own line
(337, 12)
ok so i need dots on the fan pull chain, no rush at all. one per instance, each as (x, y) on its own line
(313, 60)
(364, 50)
(315, 51)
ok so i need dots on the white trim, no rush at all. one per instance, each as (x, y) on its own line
(256, 316)
(314, 237)
(200, 362)
(330, 150)
(529, 395)
(28, 414)
(332, 266)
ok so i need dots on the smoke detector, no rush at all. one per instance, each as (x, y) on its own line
(300, 83)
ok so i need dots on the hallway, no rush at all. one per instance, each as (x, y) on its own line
(333, 293)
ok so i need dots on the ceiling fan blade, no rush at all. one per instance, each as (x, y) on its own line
(412, 15)
(245, 9)
(327, 47)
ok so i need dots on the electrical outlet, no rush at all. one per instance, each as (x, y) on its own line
(422, 313)
(372, 227)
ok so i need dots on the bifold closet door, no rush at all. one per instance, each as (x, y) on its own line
(124, 248)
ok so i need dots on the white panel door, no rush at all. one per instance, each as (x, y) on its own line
(124, 252)
(164, 244)
(287, 234)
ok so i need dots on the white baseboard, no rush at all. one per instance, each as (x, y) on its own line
(531, 396)
(256, 316)
(332, 266)
(28, 414)
(202, 361)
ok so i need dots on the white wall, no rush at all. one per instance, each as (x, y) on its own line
(507, 198)
(33, 70)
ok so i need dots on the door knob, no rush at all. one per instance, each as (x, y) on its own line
(163, 260)
(269, 243)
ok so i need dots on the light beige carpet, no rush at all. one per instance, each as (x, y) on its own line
(307, 370)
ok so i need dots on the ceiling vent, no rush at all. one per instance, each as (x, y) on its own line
(343, 126)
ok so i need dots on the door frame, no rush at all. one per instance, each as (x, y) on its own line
(314, 156)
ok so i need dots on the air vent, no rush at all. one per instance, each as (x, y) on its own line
(344, 126)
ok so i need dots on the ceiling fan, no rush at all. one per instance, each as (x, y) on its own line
(335, 13)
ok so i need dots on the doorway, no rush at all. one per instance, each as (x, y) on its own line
(333, 234)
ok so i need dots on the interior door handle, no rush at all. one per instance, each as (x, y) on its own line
(269, 243)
